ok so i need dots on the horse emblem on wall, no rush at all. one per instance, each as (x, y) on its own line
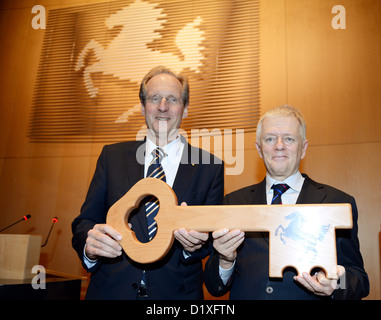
(95, 55)
(130, 46)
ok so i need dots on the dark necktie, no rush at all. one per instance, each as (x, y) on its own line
(279, 189)
(155, 170)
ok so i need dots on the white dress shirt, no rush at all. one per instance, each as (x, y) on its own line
(170, 163)
(295, 182)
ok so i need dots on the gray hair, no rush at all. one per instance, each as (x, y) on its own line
(283, 111)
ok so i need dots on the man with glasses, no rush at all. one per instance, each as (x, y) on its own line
(240, 263)
(164, 98)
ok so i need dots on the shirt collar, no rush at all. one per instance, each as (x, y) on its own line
(295, 182)
(171, 150)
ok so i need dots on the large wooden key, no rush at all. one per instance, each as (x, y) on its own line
(300, 236)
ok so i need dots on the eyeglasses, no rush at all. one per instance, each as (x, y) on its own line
(170, 100)
(272, 140)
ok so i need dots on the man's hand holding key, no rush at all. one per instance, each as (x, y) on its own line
(102, 241)
(226, 243)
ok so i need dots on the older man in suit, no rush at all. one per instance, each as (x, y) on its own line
(195, 176)
(240, 262)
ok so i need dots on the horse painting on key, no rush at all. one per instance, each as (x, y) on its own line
(308, 235)
(131, 43)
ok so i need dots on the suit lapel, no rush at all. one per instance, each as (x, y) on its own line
(135, 169)
(185, 172)
(311, 192)
(257, 194)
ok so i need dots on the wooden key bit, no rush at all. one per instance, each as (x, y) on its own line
(300, 236)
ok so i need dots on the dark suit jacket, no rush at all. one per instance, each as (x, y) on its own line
(250, 279)
(173, 277)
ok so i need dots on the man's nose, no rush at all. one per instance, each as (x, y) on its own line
(163, 106)
(279, 143)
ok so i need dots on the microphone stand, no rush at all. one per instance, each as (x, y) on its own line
(24, 218)
(51, 227)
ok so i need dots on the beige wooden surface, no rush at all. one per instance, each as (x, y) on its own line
(19, 253)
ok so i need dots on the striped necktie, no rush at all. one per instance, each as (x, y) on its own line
(279, 189)
(155, 170)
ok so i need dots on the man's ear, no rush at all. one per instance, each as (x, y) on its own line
(185, 112)
(143, 109)
(304, 149)
(258, 149)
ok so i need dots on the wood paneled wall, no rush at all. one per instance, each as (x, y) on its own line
(332, 76)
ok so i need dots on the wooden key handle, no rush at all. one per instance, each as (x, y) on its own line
(119, 213)
(301, 235)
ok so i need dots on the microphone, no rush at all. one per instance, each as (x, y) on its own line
(54, 221)
(24, 218)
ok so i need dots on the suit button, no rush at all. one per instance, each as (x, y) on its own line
(134, 286)
(269, 290)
